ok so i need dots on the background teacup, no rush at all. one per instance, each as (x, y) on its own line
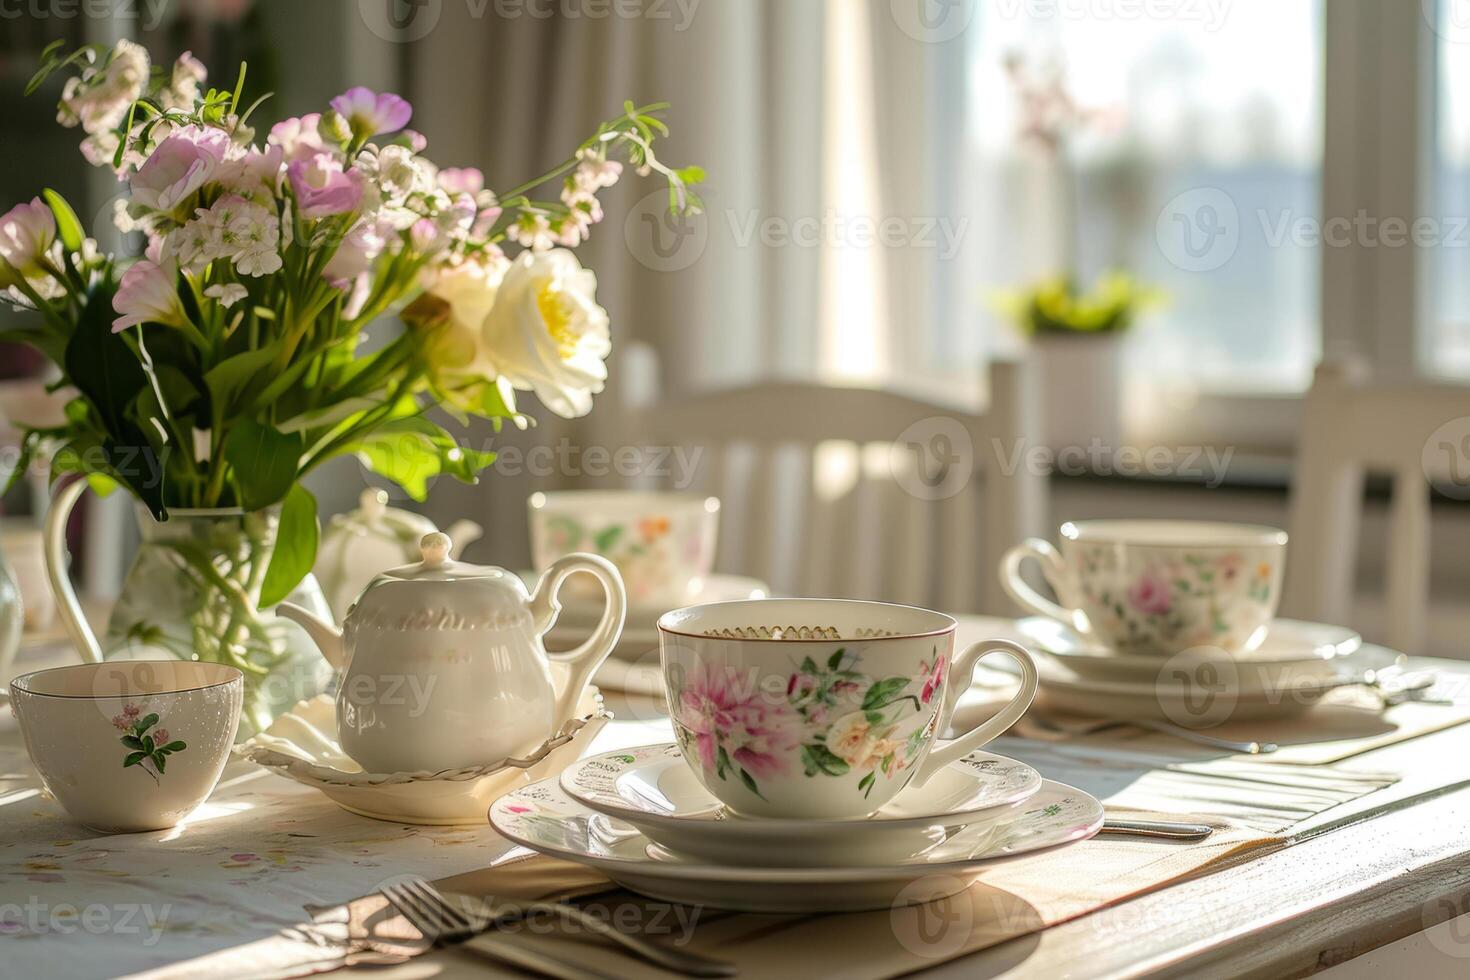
(663, 544)
(821, 708)
(129, 745)
(1155, 586)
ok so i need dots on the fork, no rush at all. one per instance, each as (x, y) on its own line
(424, 906)
(1188, 735)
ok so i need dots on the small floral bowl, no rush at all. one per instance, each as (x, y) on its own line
(302, 745)
(131, 745)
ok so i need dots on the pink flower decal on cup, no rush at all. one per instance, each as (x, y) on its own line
(1150, 594)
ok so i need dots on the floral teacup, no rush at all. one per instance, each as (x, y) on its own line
(663, 544)
(129, 745)
(1157, 587)
(821, 708)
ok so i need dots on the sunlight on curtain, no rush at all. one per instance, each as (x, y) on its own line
(852, 344)
(1447, 340)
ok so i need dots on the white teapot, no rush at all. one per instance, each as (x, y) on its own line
(443, 666)
(372, 538)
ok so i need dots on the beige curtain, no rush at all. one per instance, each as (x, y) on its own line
(784, 125)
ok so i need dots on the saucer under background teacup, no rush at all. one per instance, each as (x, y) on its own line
(652, 789)
(821, 708)
(663, 544)
(544, 818)
(129, 745)
(1156, 587)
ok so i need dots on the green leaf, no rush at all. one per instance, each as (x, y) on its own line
(134, 759)
(174, 746)
(866, 783)
(227, 379)
(265, 461)
(68, 228)
(296, 543)
(159, 760)
(835, 661)
(883, 692)
(131, 741)
(808, 665)
(604, 540)
(148, 721)
(148, 745)
(745, 778)
(819, 758)
(411, 451)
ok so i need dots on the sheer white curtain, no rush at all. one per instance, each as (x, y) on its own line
(831, 139)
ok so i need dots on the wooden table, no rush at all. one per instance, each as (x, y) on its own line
(1368, 873)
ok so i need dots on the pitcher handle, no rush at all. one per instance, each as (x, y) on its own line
(56, 572)
(585, 659)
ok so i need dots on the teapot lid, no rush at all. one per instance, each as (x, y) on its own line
(373, 515)
(437, 566)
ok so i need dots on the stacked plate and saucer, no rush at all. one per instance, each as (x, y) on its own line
(1175, 620)
(806, 774)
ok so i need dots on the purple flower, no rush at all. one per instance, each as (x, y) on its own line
(179, 166)
(370, 113)
(1150, 594)
(322, 187)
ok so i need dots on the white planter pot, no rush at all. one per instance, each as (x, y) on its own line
(1082, 382)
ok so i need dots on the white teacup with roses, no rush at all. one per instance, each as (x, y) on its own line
(1157, 587)
(821, 708)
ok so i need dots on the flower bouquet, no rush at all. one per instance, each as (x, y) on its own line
(1057, 306)
(251, 342)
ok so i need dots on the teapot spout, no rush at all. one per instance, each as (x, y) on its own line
(327, 636)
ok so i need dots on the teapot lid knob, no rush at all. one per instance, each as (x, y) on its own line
(435, 548)
(372, 502)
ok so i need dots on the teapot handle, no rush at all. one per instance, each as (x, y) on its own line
(585, 659)
(66, 597)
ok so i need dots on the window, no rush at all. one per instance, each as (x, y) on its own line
(1447, 330)
(1190, 127)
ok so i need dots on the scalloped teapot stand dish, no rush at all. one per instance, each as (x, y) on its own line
(302, 745)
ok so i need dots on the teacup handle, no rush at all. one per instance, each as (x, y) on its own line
(585, 659)
(947, 751)
(1053, 568)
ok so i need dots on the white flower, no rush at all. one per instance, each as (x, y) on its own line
(246, 233)
(546, 332)
(468, 287)
(227, 293)
(532, 230)
(400, 174)
(355, 255)
(183, 85)
(594, 171)
(147, 294)
(99, 100)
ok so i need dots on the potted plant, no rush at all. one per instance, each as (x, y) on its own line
(212, 374)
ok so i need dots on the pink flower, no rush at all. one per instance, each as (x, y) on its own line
(132, 711)
(26, 232)
(362, 245)
(1150, 594)
(160, 736)
(298, 137)
(179, 166)
(254, 172)
(322, 187)
(370, 113)
(120, 723)
(934, 681)
(767, 734)
(705, 709)
(461, 180)
(148, 293)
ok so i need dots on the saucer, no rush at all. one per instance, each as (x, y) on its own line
(1203, 694)
(544, 818)
(652, 788)
(302, 745)
(1289, 641)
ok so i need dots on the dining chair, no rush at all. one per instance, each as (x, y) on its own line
(852, 492)
(1411, 432)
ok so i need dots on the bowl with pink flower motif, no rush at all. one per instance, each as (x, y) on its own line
(1157, 587)
(821, 708)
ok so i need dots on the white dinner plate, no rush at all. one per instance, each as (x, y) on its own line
(544, 818)
(652, 788)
